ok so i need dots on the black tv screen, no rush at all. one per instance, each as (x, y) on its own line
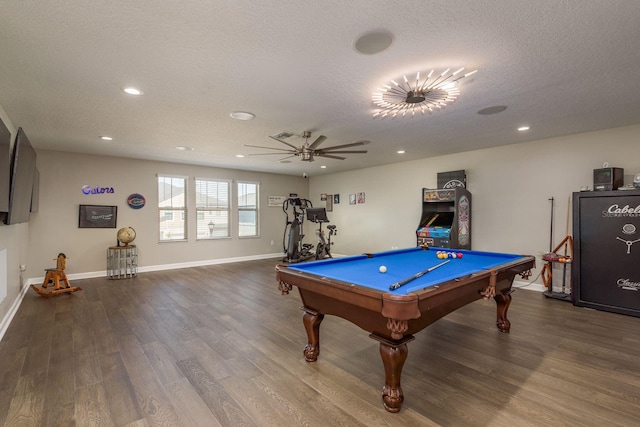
(23, 167)
(35, 195)
(5, 165)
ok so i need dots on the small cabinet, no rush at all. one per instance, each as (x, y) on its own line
(122, 262)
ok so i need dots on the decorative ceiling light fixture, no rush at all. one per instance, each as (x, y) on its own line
(432, 94)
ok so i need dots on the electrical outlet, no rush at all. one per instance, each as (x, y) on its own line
(23, 267)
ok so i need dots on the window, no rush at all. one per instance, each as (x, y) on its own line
(172, 208)
(212, 209)
(248, 196)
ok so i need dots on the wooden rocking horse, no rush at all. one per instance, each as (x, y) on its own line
(58, 277)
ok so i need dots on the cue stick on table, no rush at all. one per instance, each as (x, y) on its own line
(396, 285)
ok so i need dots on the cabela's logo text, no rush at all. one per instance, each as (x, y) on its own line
(87, 189)
(625, 211)
(628, 285)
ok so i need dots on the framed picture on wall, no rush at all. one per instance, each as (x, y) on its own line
(352, 199)
(97, 216)
(329, 203)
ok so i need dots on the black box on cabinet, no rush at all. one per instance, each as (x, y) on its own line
(607, 179)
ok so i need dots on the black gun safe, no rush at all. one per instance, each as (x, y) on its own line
(606, 238)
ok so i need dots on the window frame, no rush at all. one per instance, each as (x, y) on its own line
(183, 212)
(203, 210)
(242, 208)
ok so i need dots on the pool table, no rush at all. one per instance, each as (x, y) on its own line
(354, 289)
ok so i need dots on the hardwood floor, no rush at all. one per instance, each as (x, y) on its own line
(219, 346)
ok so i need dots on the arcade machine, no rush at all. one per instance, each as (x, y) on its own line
(446, 218)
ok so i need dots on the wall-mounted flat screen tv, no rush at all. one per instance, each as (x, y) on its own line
(5, 167)
(23, 167)
(35, 194)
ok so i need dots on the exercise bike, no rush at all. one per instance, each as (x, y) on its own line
(294, 248)
(323, 248)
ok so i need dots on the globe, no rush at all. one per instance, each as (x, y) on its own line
(126, 235)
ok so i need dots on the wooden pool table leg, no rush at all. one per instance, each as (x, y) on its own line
(312, 321)
(393, 354)
(503, 301)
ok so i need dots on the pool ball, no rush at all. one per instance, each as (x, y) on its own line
(383, 269)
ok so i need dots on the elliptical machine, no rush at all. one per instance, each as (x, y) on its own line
(295, 250)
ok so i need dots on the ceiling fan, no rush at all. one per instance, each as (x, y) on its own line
(307, 151)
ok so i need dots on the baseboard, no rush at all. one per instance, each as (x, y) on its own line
(521, 284)
(6, 321)
(206, 262)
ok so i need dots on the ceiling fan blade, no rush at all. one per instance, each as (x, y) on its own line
(353, 144)
(330, 156)
(341, 152)
(288, 157)
(267, 154)
(269, 148)
(284, 142)
(319, 140)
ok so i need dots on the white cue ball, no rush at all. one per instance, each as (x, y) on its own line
(383, 269)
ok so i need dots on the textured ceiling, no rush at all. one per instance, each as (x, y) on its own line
(561, 67)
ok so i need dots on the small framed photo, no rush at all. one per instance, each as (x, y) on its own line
(360, 197)
(97, 216)
(323, 196)
(329, 203)
(352, 199)
(336, 199)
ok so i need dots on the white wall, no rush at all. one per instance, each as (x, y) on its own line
(510, 186)
(13, 239)
(54, 228)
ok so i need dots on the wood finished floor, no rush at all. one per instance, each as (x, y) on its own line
(219, 345)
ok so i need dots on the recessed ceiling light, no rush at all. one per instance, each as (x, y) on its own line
(132, 90)
(239, 155)
(184, 148)
(106, 138)
(373, 42)
(242, 115)
(492, 110)
(400, 151)
(323, 167)
(523, 128)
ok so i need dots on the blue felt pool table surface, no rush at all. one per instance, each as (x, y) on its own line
(363, 270)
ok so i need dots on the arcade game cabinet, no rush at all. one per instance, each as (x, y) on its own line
(446, 218)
